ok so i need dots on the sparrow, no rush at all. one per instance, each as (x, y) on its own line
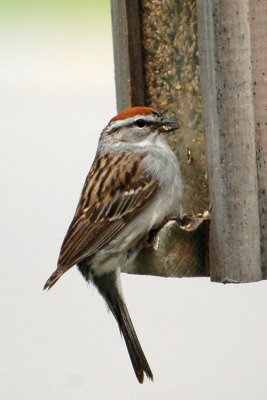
(134, 183)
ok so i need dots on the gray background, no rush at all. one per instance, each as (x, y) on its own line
(202, 340)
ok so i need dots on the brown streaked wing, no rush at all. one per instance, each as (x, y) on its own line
(110, 198)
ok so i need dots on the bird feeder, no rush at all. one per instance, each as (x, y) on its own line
(204, 62)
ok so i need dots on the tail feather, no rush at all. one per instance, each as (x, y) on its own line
(54, 277)
(108, 286)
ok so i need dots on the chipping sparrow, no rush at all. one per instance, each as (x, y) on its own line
(133, 185)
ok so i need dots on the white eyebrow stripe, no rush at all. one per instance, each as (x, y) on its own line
(123, 122)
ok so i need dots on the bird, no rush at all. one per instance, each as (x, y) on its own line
(134, 183)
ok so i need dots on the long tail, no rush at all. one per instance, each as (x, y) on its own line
(109, 287)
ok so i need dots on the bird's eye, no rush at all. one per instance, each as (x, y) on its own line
(140, 123)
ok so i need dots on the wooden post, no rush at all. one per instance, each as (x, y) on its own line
(129, 76)
(258, 21)
(226, 77)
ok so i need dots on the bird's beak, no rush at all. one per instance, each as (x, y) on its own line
(168, 125)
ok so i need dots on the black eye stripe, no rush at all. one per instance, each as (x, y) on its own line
(139, 122)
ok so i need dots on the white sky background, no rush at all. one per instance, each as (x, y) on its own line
(202, 340)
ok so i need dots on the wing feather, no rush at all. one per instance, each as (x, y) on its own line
(109, 200)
